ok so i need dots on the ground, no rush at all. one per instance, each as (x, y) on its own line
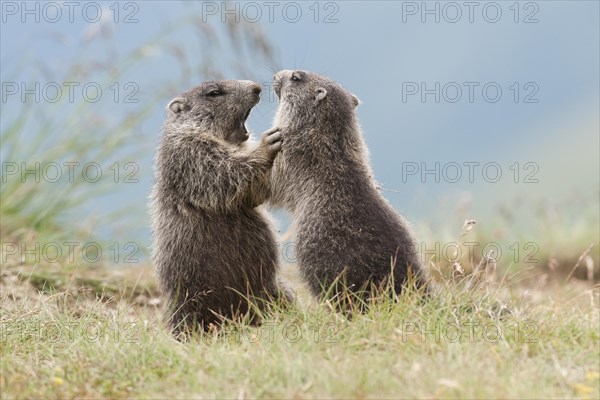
(97, 332)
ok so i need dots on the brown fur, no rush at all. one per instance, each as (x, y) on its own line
(213, 247)
(348, 235)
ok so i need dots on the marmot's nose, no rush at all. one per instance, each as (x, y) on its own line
(256, 89)
(250, 86)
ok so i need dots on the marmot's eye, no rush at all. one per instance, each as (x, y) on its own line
(214, 92)
(295, 78)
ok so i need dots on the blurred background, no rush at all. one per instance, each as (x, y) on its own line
(487, 111)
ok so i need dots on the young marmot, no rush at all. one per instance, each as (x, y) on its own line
(213, 248)
(348, 235)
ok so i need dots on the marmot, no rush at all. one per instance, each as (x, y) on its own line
(213, 248)
(348, 235)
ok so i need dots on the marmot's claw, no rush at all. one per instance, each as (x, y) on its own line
(274, 137)
(271, 131)
(276, 146)
(272, 140)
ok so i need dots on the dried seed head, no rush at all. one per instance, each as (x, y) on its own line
(468, 225)
(457, 271)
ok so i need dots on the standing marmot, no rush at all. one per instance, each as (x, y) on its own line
(346, 231)
(212, 247)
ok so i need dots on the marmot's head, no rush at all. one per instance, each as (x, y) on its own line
(306, 98)
(218, 107)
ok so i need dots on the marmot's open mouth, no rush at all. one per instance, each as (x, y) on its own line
(243, 122)
(277, 88)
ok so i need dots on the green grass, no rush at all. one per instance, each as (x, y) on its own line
(83, 341)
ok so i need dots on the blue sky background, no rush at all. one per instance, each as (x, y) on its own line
(373, 50)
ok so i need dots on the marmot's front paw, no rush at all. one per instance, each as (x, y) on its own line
(271, 141)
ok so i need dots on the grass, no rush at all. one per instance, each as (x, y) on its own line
(541, 241)
(102, 336)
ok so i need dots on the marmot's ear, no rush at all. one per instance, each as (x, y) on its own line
(177, 105)
(355, 100)
(321, 94)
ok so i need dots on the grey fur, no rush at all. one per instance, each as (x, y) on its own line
(213, 247)
(347, 233)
